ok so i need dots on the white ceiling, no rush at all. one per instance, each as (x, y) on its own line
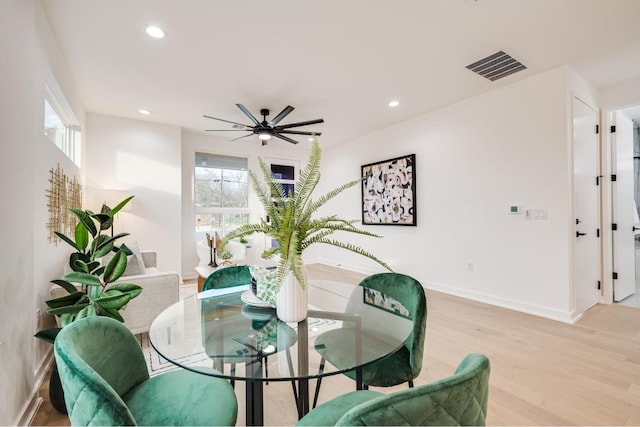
(342, 60)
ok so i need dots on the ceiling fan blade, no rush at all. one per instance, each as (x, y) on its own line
(299, 132)
(284, 113)
(240, 137)
(228, 121)
(227, 130)
(247, 113)
(286, 138)
(292, 125)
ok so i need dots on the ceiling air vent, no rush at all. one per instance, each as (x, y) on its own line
(496, 66)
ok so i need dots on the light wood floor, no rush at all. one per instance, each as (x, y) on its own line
(543, 372)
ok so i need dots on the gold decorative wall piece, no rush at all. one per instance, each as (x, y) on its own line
(63, 194)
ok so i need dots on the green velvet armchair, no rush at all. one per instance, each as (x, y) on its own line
(406, 363)
(234, 275)
(460, 399)
(106, 382)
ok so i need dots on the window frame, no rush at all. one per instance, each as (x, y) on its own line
(71, 144)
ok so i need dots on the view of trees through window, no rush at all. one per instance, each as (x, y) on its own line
(221, 194)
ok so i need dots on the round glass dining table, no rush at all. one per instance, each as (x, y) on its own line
(229, 333)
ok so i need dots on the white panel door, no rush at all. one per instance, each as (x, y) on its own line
(623, 208)
(586, 262)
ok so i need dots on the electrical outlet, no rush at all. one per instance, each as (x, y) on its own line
(37, 323)
(469, 266)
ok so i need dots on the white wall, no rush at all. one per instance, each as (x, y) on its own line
(143, 159)
(249, 148)
(28, 260)
(473, 160)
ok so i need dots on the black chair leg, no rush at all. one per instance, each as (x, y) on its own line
(410, 383)
(318, 382)
(233, 373)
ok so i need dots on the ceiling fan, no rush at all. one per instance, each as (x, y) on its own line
(266, 129)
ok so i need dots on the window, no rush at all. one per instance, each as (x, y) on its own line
(59, 128)
(221, 194)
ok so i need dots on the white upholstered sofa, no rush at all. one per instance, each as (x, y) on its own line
(160, 289)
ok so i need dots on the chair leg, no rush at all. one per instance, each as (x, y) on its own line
(318, 382)
(410, 383)
(233, 372)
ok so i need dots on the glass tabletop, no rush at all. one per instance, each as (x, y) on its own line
(223, 336)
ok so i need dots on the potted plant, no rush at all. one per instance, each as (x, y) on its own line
(88, 284)
(292, 225)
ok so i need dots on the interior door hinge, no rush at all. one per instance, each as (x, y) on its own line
(613, 129)
(614, 177)
(597, 232)
(598, 179)
(615, 276)
(597, 128)
(599, 285)
(614, 226)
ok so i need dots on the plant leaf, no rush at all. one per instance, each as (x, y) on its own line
(67, 309)
(113, 314)
(86, 220)
(115, 267)
(119, 206)
(113, 300)
(85, 312)
(65, 300)
(69, 287)
(68, 240)
(102, 251)
(104, 220)
(130, 288)
(48, 335)
(84, 278)
(82, 236)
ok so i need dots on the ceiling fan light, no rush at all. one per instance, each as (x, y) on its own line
(264, 135)
(155, 32)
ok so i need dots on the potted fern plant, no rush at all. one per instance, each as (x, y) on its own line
(293, 226)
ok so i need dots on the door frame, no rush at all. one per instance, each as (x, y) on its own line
(600, 210)
(607, 156)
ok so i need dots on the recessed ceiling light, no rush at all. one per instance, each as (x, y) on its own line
(145, 112)
(155, 32)
(393, 103)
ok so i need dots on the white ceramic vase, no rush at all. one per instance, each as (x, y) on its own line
(291, 299)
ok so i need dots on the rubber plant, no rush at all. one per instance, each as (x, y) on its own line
(88, 284)
(291, 218)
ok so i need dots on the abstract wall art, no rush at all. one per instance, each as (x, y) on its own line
(388, 192)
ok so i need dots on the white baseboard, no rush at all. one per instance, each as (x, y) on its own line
(31, 406)
(562, 316)
(536, 310)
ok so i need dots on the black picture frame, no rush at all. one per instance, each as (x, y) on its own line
(389, 192)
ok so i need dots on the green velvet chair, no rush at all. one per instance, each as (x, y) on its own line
(234, 275)
(226, 277)
(460, 399)
(106, 382)
(406, 363)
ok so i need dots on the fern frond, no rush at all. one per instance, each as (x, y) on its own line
(355, 249)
